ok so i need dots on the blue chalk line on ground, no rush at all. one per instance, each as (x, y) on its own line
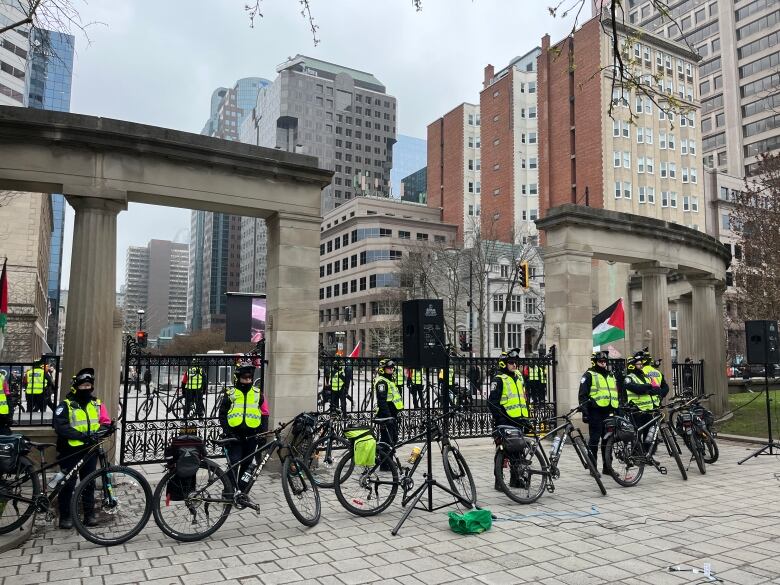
(594, 511)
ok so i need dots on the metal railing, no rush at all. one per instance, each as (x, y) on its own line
(30, 409)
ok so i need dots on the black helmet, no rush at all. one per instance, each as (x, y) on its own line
(598, 356)
(513, 356)
(243, 368)
(385, 363)
(84, 376)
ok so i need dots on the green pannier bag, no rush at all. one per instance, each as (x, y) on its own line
(472, 522)
(363, 445)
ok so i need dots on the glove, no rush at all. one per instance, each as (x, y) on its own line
(585, 417)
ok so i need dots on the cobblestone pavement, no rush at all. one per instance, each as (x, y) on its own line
(728, 518)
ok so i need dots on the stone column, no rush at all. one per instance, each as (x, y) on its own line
(89, 335)
(112, 400)
(684, 329)
(292, 287)
(569, 314)
(709, 338)
(655, 314)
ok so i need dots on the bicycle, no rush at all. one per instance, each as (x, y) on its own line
(624, 452)
(358, 487)
(327, 448)
(208, 497)
(177, 408)
(527, 459)
(123, 501)
(691, 426)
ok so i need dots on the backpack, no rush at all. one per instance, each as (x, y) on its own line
(11, 447)
(183, 456)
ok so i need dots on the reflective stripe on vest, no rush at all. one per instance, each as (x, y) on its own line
(244, 408)
(85, 421)
(417, 377)
(194, 379)
(36, 381)
(537, 373)
(393, 395)
(641, 401)
(337, 380)
(513, 396)
(603, 390)
(452, 376)
(399, 375)
(4, 409)
(655, 378)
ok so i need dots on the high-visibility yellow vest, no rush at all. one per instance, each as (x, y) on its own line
(513, 396)
(244, 408)
(36, 380)
(655, 378)
(4, 408)
(399, 375)
(85, 420)
(641, 401)
(603, 390)
(194, 379)
(451, 376)
(537, 373)
(337, 380)
(417, 377)
(393, 394)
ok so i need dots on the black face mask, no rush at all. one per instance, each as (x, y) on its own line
(83, 396)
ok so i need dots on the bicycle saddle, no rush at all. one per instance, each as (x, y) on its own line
(41, 445)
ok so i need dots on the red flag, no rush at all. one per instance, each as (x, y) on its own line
(356, 352)
(4, 297)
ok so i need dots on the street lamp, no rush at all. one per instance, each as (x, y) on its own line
(140, 319)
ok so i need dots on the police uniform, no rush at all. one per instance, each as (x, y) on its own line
(194, 390)
(389, 403)
(416, 384)
(36, 386)
(537, 382)
(6, 407)
(339, 388)
(240, 417)
(638, 391)
(599, 394)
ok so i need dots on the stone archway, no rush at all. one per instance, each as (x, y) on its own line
(576, 235)
(100, 165)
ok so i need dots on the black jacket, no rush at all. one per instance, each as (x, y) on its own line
(584, 393)
(384, 407)
(61, 424)
(624, 384)
(500, 417)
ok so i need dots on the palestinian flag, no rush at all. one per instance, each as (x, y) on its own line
(3, 297)
(609, 325)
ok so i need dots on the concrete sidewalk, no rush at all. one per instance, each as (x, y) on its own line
(729, 518)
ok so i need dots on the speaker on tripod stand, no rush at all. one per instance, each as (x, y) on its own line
(762, 346)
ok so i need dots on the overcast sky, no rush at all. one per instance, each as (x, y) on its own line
(157, 62)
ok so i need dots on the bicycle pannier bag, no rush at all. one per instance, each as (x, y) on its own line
(183, 456)
(11, 446)
(513, 441)
(625, 430)
(363, 445)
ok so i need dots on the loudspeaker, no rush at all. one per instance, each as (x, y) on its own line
(423, 333)
(763, 345)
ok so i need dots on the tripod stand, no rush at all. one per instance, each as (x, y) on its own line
(426, 487)
(771, 446)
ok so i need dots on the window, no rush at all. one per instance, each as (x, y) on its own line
(530, 305)
(504, 268)
(662, 140)
(648, 135)
(498, 302)
(471, 186)
(672, 319)
(616, 158)
(640, 164)
(724, 221)
(532, 163)
(477, 187)
(684, 145)
(664, 169)
(670, 142)
(618, 190)
(497, 341)
(649, 162)
(626, 190)
(533, 189)
(694, 179)
(640, 135)
(664, 198)
(532, 138)
(626, 160)
(532, 112)
(672, 170)
(684, 173)
(422, 237)
(642, 195)
(363, 283)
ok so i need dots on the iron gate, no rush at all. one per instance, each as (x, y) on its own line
(472, 382)
(26, 410)
(155, 407)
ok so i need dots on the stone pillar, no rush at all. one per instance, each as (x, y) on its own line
(292, 326)
(569, 314)
(112, 400)
(89, 335)
(655, 314)
(684, 329)
(709, 339)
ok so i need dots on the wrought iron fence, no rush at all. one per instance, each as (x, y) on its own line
(157, 405)
(472, 377)
(28, 408)
(686, 378)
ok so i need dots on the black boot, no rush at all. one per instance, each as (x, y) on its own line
(66, 522)
(90, 519)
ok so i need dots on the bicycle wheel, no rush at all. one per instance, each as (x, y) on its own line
(697, 449)
(711, 452)
(323, 456)
(522, 477)
(363, 490)
(300, 491)
(146, 407)
(121, 500)
(579, 444)
(458, 474)
(193, 508)
(673, 449)
(621, 458)
(17, 492)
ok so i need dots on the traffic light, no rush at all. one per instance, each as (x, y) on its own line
(523, 276)
(140, 338)
(462, 340)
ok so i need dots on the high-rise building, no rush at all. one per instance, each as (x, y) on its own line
(414, 187)
(14, 53)
(343, 116)
(215, 238)
(50, 77)
(156, 282)
(738, 74)
(253, 255)
(510, 154)
(409, 155)
(454, 163)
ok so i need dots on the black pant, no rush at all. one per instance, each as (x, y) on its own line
(640, 419)
(36, 402)
(193, 401)
(247, 443)
(416, 392)
(338, 399)
(596, 417)
(88, 499)
(537, 391)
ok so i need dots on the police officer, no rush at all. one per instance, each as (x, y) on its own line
(76, 419)
(338, 387)
(6, 405)
(599, 396)
(240, 417)
(193, 384)
(37, 384)
(638, 391)
(388, 399)
(507, 399)
(655, 377)
(450, 376)
(537, 381)
(416, 382)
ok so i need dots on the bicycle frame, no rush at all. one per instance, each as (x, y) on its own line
(551, 461)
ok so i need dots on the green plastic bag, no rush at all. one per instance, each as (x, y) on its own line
(363, 446)
(472, 522)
